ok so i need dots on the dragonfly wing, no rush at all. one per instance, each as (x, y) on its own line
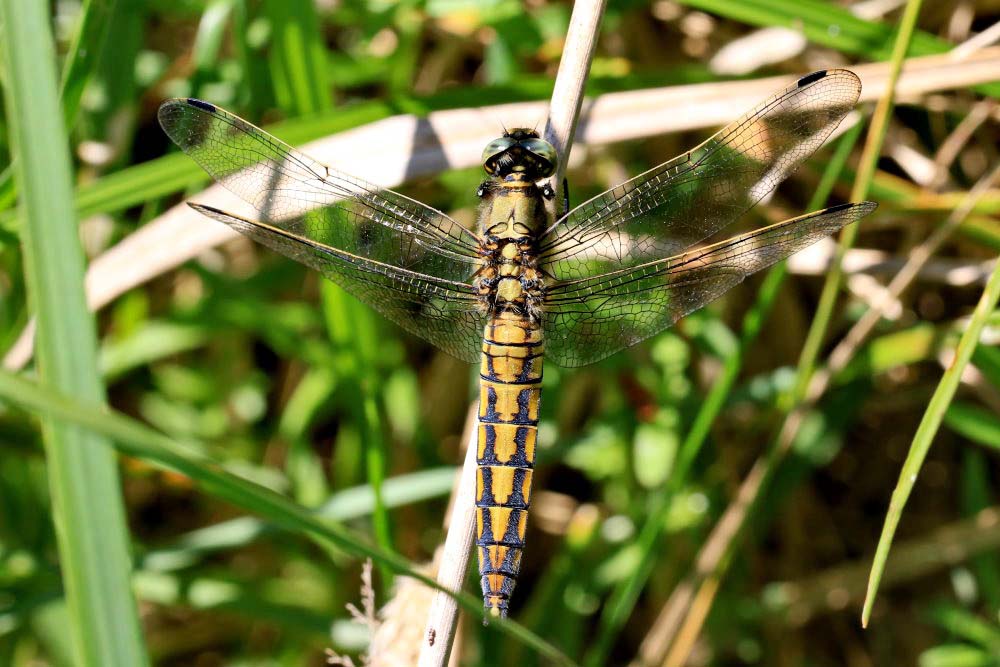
(591, 318)
(294, 193)
(686, 200)
(443, 312)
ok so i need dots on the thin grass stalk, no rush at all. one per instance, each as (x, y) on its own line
(571, 80)
(442, 617)
(133, 438)
(87, 504)
(560, 128)
(929, 424)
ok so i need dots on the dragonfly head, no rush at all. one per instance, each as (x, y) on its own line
(520, 151)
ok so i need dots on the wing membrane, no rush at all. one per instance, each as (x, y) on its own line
(442, 312)
(588, 319)
(296, 194)
(683, 201)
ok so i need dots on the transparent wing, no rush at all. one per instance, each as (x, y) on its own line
(591, 318)
(442, 312)
(686, 200)
(294, 193)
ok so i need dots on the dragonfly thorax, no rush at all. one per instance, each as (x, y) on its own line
(512, 218)
(510, 280)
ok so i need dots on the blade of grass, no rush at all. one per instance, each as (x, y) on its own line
(352, 503)
(975, 423)
(929, 425)
(135, 439)
(298, 63)
(976, 493)
(86, 499)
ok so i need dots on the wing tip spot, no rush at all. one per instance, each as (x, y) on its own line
(810, 78)
(201, 104)
(864, 207)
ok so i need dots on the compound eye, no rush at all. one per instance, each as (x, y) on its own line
(496, 147)
(545, 151)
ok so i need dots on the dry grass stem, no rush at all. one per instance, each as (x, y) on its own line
(567, 94)
(959, 137)
(442, 617)
(977, 42)
(815, 261)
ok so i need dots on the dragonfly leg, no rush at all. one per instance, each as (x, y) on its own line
(483, 188)
(549, 193)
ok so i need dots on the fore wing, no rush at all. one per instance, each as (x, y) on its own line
(588, 319)
(293, 193)
(686, 200)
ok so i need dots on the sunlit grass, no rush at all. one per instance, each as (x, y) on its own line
(87, 506)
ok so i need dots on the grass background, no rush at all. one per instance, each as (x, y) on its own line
(244, 359)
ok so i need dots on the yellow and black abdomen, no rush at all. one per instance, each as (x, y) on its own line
(510, 388)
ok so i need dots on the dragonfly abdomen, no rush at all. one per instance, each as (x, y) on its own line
(510, 389)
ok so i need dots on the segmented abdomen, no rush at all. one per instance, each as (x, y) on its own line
(510, 387)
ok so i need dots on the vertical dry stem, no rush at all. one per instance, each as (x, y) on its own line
(567, 94)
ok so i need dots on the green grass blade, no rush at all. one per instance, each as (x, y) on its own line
(353, 503)
(976, 494)
(86, 498)
(929, 424)
(135, 439)
(84, 53)
(974, 423)
(353, 331)
(298, 64)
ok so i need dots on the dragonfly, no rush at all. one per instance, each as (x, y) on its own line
(530, 283)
